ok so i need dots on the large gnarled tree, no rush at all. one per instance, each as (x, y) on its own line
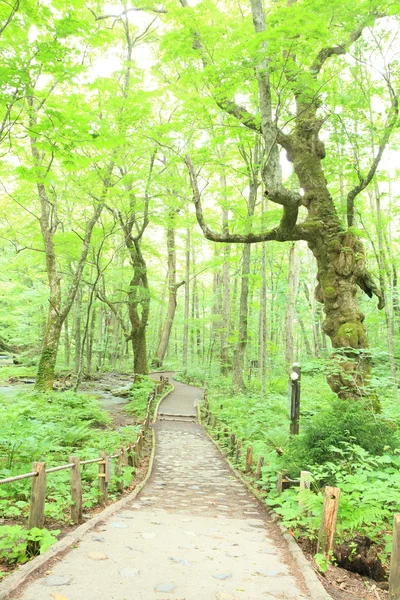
(338, 250)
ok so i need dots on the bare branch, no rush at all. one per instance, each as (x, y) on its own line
(10, 17)
(341, 49)
(128, 10)
(390, 124)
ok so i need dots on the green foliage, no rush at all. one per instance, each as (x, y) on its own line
(341, 422)
(14, 540)
(50, 427)
(138, 397)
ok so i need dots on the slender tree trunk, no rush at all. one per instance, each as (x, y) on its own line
(226, 302)
(384, 280)
(77, 329)
(240, 348)
(262, 336)
(306, 341)
(67, 341)
(172, 296)
(45, 373)
(187, 304)
(293, 281)
(89, 343)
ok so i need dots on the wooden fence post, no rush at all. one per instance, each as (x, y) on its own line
(76, 490)
(279, 485)
(36, 511)
(260, 463)
(136, 457)
(249, 458)
(394, 578)
(104, 476)
(213, 421)
(238, 451)
(294, 382)
(305, 482)
(130, 455)
(233, 444)
(328, 522)
(122, 461)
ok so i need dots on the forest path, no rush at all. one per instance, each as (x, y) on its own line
(193, 533)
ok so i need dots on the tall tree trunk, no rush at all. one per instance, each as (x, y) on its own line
(293, 281)
(89, 343)
(262, 328)
(187, 304)
(67, 341)
(226, 303)
(240, 347)
(384, 280)
(77, 329)
(172, 295)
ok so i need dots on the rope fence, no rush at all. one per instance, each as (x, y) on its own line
(126, 456)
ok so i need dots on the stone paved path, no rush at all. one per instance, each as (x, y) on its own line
(194, 533)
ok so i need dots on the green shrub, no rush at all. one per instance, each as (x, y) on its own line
(342, 422)
(14, 540)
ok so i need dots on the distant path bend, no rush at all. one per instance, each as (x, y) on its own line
(193, 533)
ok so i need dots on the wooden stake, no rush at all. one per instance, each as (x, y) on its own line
(305, 482)
(213, 421)
(279, 485)
(233, 444)
(394, 578)
(238, 451)
(130, 455)
(38, 497)
(76, 490)
(260, 464)
(328, 522)
(122, 461)
(249, 458)
(103, 477)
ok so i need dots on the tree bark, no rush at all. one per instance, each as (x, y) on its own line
(226, 301)
(187, 304)
(77, 329)
(293, 281)
(339, 253)
(172, 295)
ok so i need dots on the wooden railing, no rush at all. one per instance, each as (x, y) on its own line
(330, 508)
(126, 456)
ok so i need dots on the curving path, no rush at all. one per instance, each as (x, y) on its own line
(193, 533)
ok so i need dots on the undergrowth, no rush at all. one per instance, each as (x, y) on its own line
(50, 428)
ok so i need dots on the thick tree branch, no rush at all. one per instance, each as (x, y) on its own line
(391, 122)
(239, 112)
(338, 50)
(9, 18)
(286, 230)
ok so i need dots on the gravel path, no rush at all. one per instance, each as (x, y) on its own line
(194, 533)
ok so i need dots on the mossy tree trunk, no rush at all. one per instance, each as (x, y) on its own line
(339, 252)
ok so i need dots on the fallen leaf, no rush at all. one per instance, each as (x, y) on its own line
(59, 597)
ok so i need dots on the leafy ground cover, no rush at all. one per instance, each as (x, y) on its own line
(341, 443)
(51, 427)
